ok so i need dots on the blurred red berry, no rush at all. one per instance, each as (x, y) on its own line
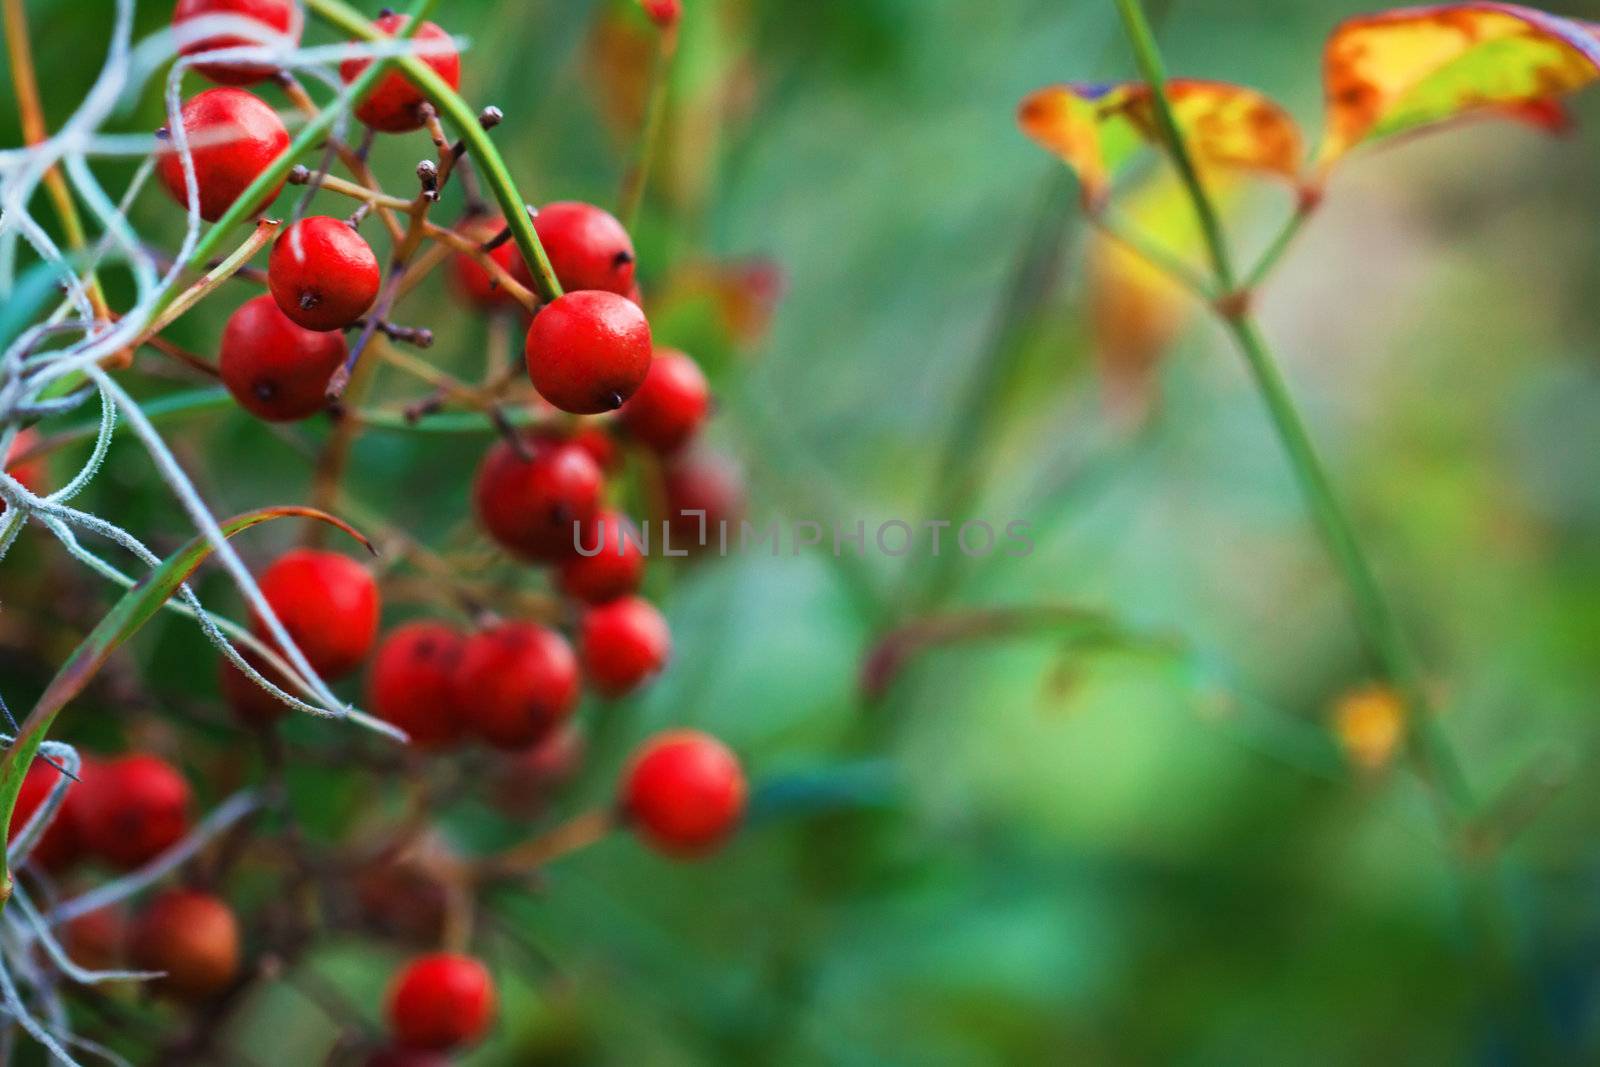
(472, 280)
(404, 899)
(97, 939)
(275, 369)
(672, 404)
(588, 351)
(664, 13)
(132, 809)
(587, 246)
(595, 439)
(329, 605)
(609, 563)
(704, 490)
(61, 844)
(276, 17)
(684, 792)
(32, 472)
(233, 137)
(323, 274)
(625, 643)
(515, 683)
(193, 938)
(525, 779)
(410, 683)
(393, 105)
(537, 507)
(441, 1001)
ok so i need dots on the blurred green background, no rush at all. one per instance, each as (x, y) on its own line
(1045, 848)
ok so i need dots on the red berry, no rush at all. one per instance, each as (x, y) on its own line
(588, 351)
(596, 440)
(394, 104)
(624, 643)
(610, 563)
(525, 781)
(516, 682)
(276, 17)
(536, 508)
(684, 792)
(664, 13)
(704, 490)
(671, 405)
(587, 246)
(329, 605)
(132, 809)
(275, 369)
(191, 936)
(61, 844)
(233, 137)
(473, 281)
(251, 704)
(323, 274)
(410, 682)
(96, 939)
(441, 1001)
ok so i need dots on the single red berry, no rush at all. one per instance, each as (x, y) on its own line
(609, 562)
(329, 605)
(233, 137)
(132, 809)
(472, 280)
(537, 508)
(671, 405)
(276, 17)
(97, 939)
(587, 246)
(275, 369)
(393, 105)
(705, 496)
(251, 704)
(684, 792)
(595, 439)
(624, 643)
(190, 936)
(664, 13)
(588, 351)
(410, 683)
(61, 844)
(515, 683)
(524, 781)
(441, 1001)
(323, 274)
(32, 473)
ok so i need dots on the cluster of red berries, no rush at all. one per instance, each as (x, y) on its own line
(124, 813)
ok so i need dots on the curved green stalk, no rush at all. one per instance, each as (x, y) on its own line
(479, 145)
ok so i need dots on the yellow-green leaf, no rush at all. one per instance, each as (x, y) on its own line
(1098, 130)
(1404, 70)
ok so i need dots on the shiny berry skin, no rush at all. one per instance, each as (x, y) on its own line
(233, 137)
(441, 1001)
(671, 405)
(394, 103)
(191, 936)
(276, 369)
(625, 642)
(614, 571)
(587, 246)
(251, 704)
(477, 284)
(329, 605)
(410, 683)
(279, 17)
(61, 844)
(536, 508)
(704, 490)
(664, 13)
(684, 793)
(516, 682)
(588, 351)
(323, 274)
(132, 809)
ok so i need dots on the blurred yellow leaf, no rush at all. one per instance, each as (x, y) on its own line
(1371, 726)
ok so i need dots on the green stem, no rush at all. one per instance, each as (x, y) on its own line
(450, 105)
(1158, 257)
(1153, 68)
(1427, 746)
(634, 182)
(1280, 244)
